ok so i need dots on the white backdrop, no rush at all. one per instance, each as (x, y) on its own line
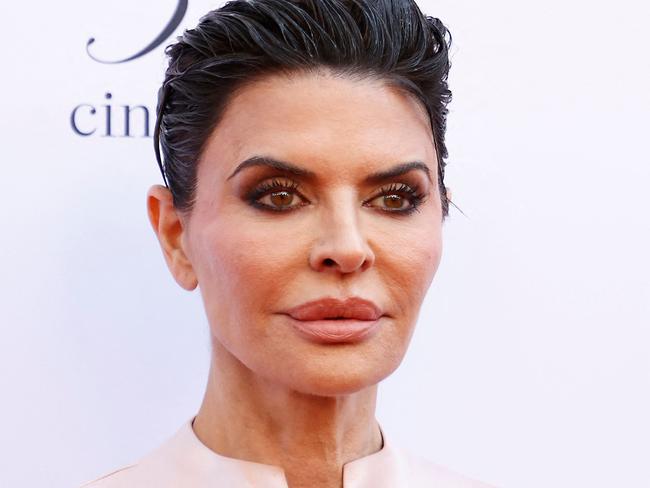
(530, 366)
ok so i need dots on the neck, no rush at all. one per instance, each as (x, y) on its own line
(310, 437)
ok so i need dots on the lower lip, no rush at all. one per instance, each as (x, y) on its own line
(335, 331)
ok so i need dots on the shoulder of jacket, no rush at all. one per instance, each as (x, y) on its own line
(112, 479)
(157, 468)
(424, 470)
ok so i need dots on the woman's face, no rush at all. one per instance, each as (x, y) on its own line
(264, 240)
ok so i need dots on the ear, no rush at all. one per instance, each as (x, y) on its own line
(448, 193)
(168, 226)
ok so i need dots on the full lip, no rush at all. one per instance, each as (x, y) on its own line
(330, 308)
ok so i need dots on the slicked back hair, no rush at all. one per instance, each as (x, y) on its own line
(389, 40)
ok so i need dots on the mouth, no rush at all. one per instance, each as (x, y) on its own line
(332, 320)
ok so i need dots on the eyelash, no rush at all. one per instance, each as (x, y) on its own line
(415, 196)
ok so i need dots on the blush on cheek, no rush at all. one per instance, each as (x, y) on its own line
(254, 269)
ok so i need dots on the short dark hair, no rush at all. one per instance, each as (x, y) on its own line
(246, 39)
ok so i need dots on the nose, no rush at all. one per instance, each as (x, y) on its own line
(341, 245)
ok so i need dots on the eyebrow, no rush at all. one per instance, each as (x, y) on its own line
(306, 174)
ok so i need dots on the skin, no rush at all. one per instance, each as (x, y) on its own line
(274, 397)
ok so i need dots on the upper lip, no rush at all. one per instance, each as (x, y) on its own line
(333, 308)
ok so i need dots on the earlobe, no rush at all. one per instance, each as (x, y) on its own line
(166, 222)
(448, 193)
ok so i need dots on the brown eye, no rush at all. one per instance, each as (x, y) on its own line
(393, 201)
(280, 198)
(398, 198)
(276, 195)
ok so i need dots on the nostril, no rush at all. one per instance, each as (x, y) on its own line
(329, 262)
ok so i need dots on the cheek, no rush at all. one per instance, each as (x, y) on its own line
(410, 262)
(243, 269)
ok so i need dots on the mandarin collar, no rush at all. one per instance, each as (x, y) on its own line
(381, 469)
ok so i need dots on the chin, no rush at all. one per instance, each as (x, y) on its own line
(340, 372)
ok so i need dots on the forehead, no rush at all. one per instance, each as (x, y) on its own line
(323, 121)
